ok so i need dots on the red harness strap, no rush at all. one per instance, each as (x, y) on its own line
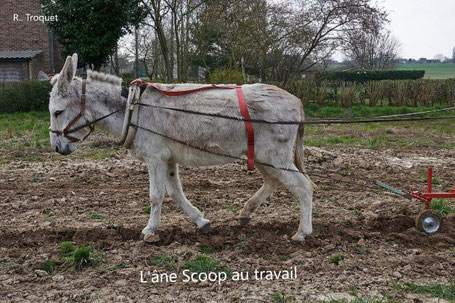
(248, 125)
(242, 105)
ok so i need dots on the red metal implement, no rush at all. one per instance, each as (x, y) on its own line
(429, 195)
(425, 197)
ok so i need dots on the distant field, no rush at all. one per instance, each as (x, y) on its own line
(432, 71)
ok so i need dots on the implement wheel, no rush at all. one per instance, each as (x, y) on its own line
(429, 222)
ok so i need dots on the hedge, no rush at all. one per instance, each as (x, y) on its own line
(34, 95)
(226, 76)
(24, 96)
(422, 92)
(365, 76)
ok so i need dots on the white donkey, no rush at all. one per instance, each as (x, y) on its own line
(274, 144)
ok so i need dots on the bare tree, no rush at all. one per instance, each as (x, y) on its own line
(274, 40)
(234, 29)
(157, 11)
(171, 21)
(309, 31)
(180, 23)
(374, 50)
(440, 57)
(145, 47)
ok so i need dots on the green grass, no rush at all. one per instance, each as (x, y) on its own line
(403, 135)
(24, 131)
(336, 259)
(49, 267)
(160, 260)
(432, 71)
(206, 249)
(353, 290)
(316, 110)
(25, 137)
(102, 154)
(234, 209)
(205, 264)
(66, 249)
(278, 297)
(116, 267)
(78, 257)
(441, 206)
(84, 256)
(436, 181)
(147, 209)
(442, 291)
(356, 213)
(94, 215)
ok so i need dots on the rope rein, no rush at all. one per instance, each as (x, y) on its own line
(365, 182)
(321, 121)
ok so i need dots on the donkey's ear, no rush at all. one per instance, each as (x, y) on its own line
(66, 74)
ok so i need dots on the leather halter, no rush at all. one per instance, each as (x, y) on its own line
(66, 131)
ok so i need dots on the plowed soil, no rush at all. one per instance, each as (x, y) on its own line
(101, 203)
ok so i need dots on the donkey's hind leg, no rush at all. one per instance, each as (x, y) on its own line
(269, 186)
(302, 189)
(174, 189)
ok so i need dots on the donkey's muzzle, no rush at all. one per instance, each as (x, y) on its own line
(63, 149)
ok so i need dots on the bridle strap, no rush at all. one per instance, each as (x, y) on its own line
(82, 111)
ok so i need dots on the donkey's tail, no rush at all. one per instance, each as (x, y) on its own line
(298, 151)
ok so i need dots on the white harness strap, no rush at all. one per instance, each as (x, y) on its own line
(131, 117)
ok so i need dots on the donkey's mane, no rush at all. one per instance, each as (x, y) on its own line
(97, 76)
(92, 75)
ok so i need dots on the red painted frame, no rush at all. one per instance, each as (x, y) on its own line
(429, 195)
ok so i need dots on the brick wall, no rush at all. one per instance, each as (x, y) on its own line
(25, 35)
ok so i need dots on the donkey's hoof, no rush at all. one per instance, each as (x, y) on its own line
(298, 238)
(151, 238)
(244, 221)
(206, 228)
(296, 242)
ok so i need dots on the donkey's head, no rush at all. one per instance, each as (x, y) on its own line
(65, 109)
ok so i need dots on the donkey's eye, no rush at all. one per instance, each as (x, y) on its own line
(57, 113)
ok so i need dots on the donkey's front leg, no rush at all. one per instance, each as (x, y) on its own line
(174, 189)
(157, 176)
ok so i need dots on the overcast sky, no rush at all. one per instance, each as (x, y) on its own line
(424, 28)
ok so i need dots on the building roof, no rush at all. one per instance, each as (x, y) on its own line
(27, 54)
